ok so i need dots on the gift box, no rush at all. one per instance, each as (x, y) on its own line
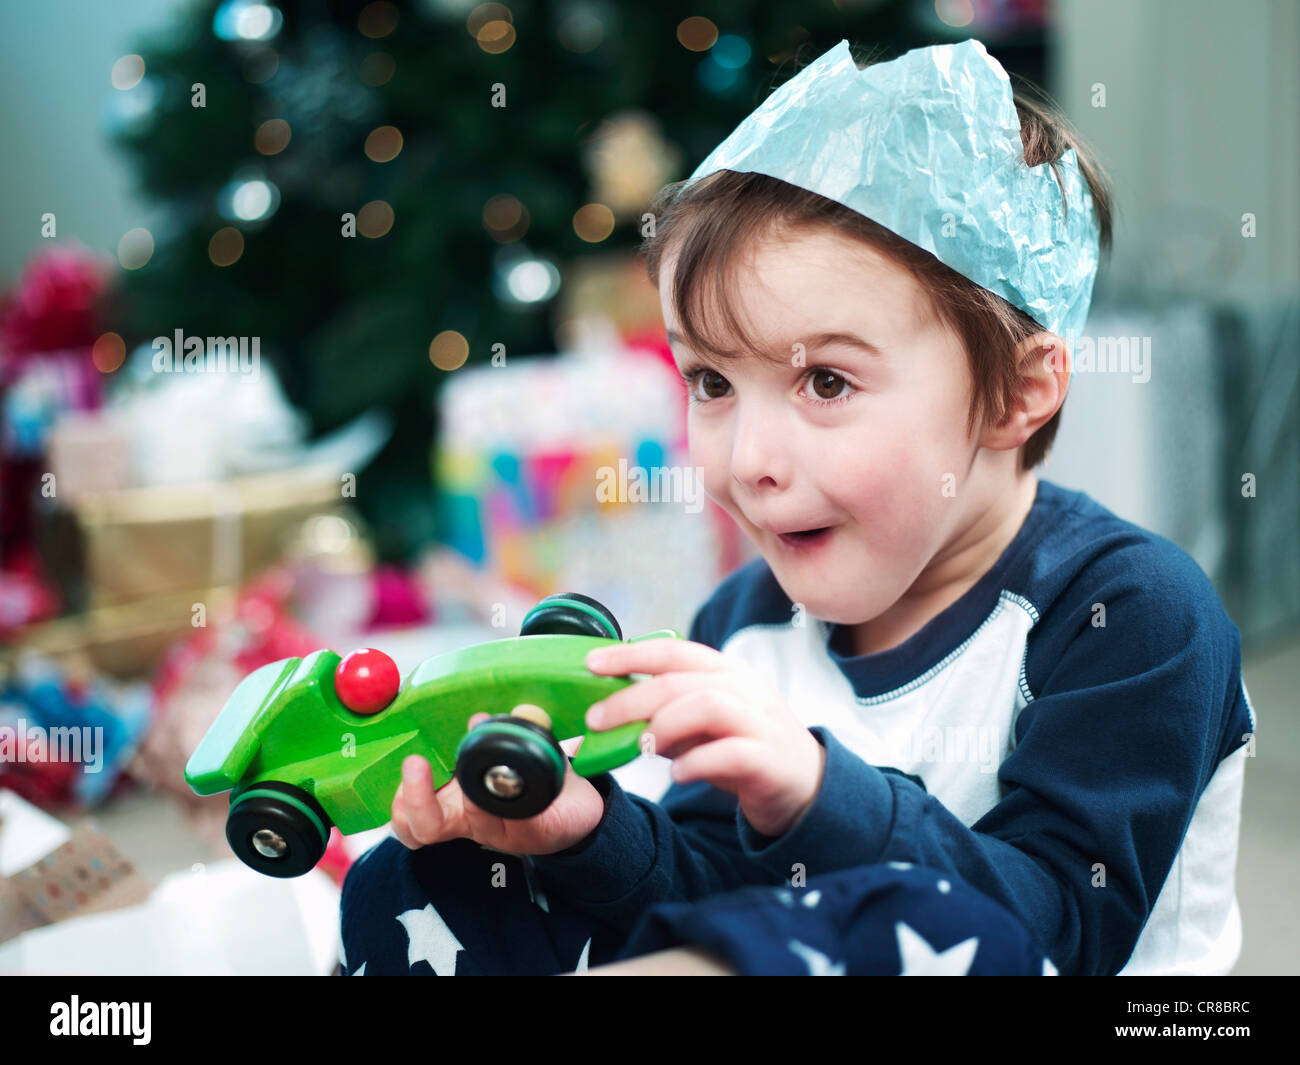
(570, 474)
(146, 542)
(70, 902)
(67, 733)
(50, 872)
(88, 452)
(126, 640)
(49, 322)
(196, 677)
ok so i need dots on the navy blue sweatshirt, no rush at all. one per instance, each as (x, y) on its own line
(1069, 738)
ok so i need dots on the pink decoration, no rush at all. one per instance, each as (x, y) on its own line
(398, 600)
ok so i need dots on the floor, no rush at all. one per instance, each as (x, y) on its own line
(152, 833)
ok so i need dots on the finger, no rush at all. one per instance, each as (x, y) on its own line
(701, 715)
(402, 827)
(645, 698)
(654, 656)
(477, 719)
(423, 810)
(725, 763)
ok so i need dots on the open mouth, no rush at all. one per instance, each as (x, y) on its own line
(806, 538)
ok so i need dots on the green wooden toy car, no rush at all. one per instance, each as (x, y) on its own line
(306, 743)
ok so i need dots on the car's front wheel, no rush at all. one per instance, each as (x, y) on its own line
(277, 829)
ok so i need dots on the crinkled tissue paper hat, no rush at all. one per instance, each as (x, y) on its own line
(928, 145)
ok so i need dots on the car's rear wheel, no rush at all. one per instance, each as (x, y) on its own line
(510, 767)
(277, 829)
(571, 613)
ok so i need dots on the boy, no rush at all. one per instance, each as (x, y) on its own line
(939, 660)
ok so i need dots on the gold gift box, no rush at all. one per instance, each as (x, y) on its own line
(141, 543)
(125, 641)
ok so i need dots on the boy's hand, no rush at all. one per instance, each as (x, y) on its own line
(719, 722)
(422, 816)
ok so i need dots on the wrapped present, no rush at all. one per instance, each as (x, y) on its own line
(88, 452)
(50, 872)
(126, 640)
(66, 732)
(571, 472)
(144, 542)
(24, 598)
(49, 323)
(71, 902)
(196, 677)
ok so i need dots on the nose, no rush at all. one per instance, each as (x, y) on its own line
(761, 451)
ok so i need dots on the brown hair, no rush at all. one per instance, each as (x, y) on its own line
(724, 213)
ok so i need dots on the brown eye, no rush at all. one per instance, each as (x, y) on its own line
(719, 381)
(828, 385)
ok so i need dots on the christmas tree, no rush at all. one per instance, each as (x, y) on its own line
(383, 192)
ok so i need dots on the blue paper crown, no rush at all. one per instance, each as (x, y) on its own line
(928, 145)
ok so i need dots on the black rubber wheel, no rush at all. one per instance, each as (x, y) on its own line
(277, 829)
(557, 614)
(530, 760)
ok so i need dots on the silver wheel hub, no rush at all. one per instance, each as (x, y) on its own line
(269, 844)
(503, 782)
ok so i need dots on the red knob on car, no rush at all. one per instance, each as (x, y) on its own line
(366, 681)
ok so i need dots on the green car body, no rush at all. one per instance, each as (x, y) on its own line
(285, 723)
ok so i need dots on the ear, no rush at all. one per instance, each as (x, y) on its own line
(1045, 373)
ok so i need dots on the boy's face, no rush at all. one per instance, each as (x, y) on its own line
(866, 452)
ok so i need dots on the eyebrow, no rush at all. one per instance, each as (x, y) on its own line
(820, 340)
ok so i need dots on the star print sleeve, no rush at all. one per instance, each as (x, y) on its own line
(681, 848)
(644, 852)
(872, 921)
(1128, 724)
